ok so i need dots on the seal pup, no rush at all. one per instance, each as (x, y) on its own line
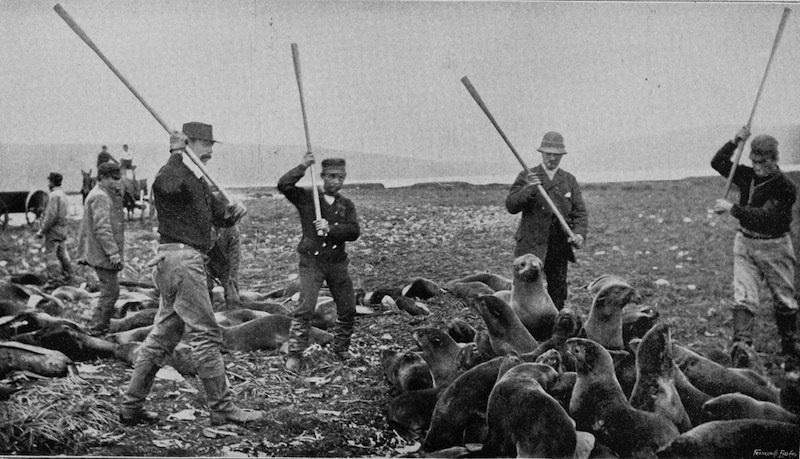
(604, 323)
(637, 319)
(445, 358)
(460, 405)
(268, 332)
(733, 439)
(141, 318)
(655, 390)
(599, 406)
(568, 324)
(740, 406)
(73, 343)
(421, 288)
(714, 379)
(507, 334)
(410, 412)
(692, 398)
(529, 298)
(468, 291)
(461, 331)
(405, 371)
(524, 420)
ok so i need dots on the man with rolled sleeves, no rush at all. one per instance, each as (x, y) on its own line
(762, 247)
(322, 254)
(539, 231)
(186, 211)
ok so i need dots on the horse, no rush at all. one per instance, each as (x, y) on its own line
(88, 182)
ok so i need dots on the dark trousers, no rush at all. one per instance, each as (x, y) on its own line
(555, 271)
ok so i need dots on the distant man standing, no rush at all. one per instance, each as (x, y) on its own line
(101, 243)
(539, 231)
(54, 227)
(126, 154)
(186, 211)
(762, 248)
(104, 156)
(322, 254)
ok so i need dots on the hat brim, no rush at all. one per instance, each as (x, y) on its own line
(555, 151)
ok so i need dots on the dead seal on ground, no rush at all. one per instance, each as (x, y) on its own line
(599, 406)
(604, 323)
(491, 280)
(405, 371)
(714, 379)
(655, 390)
(461, 405)
(507, 334)
(268, 332)
(137, 319)
(739, 406)
(421, 288)
(233, 317)
(445, 358)
(529, 298)
(734, 439)
(72, 342)
(524, 420)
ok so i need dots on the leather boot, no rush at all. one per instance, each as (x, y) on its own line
(742, 337)
(220, 403)
(787, 330)
(298, 342)
(341, 339)
(132, 411)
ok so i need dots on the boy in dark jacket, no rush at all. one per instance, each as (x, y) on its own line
(322, 254)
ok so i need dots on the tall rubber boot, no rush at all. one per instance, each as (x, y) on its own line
(220, 403)
(132, 410)
(741, 347)
(787, 330)
(341, 339)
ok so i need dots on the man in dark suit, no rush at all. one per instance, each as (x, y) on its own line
(540, 232)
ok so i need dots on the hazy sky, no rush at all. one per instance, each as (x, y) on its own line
(383, 77)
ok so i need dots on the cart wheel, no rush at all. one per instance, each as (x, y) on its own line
(3, 216)
(34, 206)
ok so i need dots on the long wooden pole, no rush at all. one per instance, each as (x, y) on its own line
(740, 145)
(299, 76)
(474, 93)
(83, 36)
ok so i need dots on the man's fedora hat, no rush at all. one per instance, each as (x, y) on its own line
(552, 142)
(198, 130)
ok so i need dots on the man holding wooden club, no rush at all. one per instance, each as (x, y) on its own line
(186, 211)
(322, 254)
(540, 231)
(762, 247)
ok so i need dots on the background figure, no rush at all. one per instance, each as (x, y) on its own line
(126, 154)
(322, 257)
(186, 211)
(762, 248)
(54, 230)
(101, 243)
(539, 231)
(104, 156)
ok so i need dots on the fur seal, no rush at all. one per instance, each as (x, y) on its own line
(491, 280)
(445, 358)
(468, 291)
(529, 298)
(31, 320)
(568, 324)
(460, 405)
(181, 359)
(714, 379)
(507, 334)
(415, 308)
(421, 288)
(410, 412)
(233, 317)
(599, 406)
(45, 362)
(637, 319)
(524, 420)
(461, 331)
(734, 439)
(266, 306)
(405, 371)
(268, 332)
(137, 319)
(655, 390)
(604, 323)
(70, 293)
(740, 406)
(72, 342)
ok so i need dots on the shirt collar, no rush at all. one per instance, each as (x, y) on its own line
(550, 174)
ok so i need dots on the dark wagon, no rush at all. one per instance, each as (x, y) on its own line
(31, 203)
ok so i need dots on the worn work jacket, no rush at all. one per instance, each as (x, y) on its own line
(765, 204)
(538, 221)
(341, 217)
(102, 232)
(186, 207)
(54, 222)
